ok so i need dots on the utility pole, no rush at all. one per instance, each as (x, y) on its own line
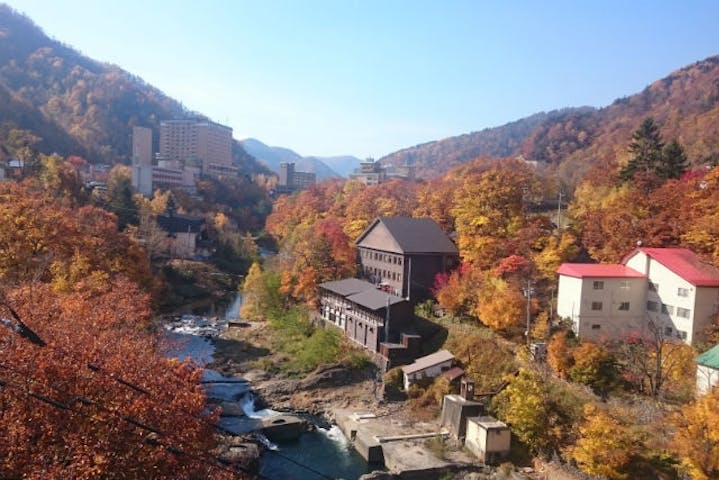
(528, 293)
(559, 212)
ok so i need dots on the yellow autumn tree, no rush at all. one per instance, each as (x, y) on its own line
(500, 305)
(489, 209)
(697, 437)
(605, 445)
(252, 294)
(555, 251)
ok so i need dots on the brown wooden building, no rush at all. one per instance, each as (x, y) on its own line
(359, 309)
(404, 255)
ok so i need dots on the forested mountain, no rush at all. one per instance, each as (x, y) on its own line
(342, 164)
(324, 167)
(685, 105)
(57, 100)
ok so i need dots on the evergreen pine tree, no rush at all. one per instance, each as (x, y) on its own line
(674, 161)
(120, 202)
(646, 149)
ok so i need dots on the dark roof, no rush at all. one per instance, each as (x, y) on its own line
(374, 299)
(180, 223)
(361, 293)
(414, 235)
(347, 286)
(453, 374)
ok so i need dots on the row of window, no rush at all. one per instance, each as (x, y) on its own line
(384, 274)
(382, 257)
(598, 306)
(668, 309)
(651, 306)
(623, 284)
(668, 331)
(653, 287)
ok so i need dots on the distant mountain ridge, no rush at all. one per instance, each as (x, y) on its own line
(685, 105)
(74, 104)
(273, 156)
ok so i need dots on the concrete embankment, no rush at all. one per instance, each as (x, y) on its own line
(395, 444)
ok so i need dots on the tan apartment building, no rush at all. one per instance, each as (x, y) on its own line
(203, 144)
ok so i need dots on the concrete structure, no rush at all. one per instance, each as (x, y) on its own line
(429, 366)
(603, 301)
(668, 290)
(456, 409)
(397, 443)
(371, 172)
(366, 315)
(203, 144)
(142, 160)
(488, 438)
(405, 254)
(682, 293)
(281, 428)
(291, 180)
(707, 370)
(188, 148)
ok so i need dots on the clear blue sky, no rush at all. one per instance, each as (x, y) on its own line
(369, 77)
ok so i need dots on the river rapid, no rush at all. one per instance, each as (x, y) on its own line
(325, 450)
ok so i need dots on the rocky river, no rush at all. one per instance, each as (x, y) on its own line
(320, 453)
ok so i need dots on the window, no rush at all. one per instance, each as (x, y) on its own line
(653, 287)
(667, 309)
(683, 312)
(668, 331)
(652, 306)
(596, 326)
(682, 292)
(596, 306)
(681, 334)
(624, 306)
(598, 285)
(624, 284)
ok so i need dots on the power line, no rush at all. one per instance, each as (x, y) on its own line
(94, 368)
(217, 462)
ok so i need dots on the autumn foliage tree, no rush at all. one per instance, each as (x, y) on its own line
(605, 445)
(82, 287)
(697, 437)
(107, 329)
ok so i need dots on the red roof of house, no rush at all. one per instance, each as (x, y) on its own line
(684, 263)
(598, 270)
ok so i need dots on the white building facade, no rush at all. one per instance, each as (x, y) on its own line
(670, 289)
(602, 301)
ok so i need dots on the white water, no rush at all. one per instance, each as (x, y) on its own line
(247, 402)
(335, 434)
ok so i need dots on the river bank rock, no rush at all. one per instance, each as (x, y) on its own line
(378, 475)
(240, 450)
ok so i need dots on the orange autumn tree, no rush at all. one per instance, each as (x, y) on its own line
(42, 240)
(109, 330)
(314, 254)
(77, 282)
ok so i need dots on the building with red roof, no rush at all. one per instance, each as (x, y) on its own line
(670, 289)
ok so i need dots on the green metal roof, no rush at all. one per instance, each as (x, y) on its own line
(710, 358)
